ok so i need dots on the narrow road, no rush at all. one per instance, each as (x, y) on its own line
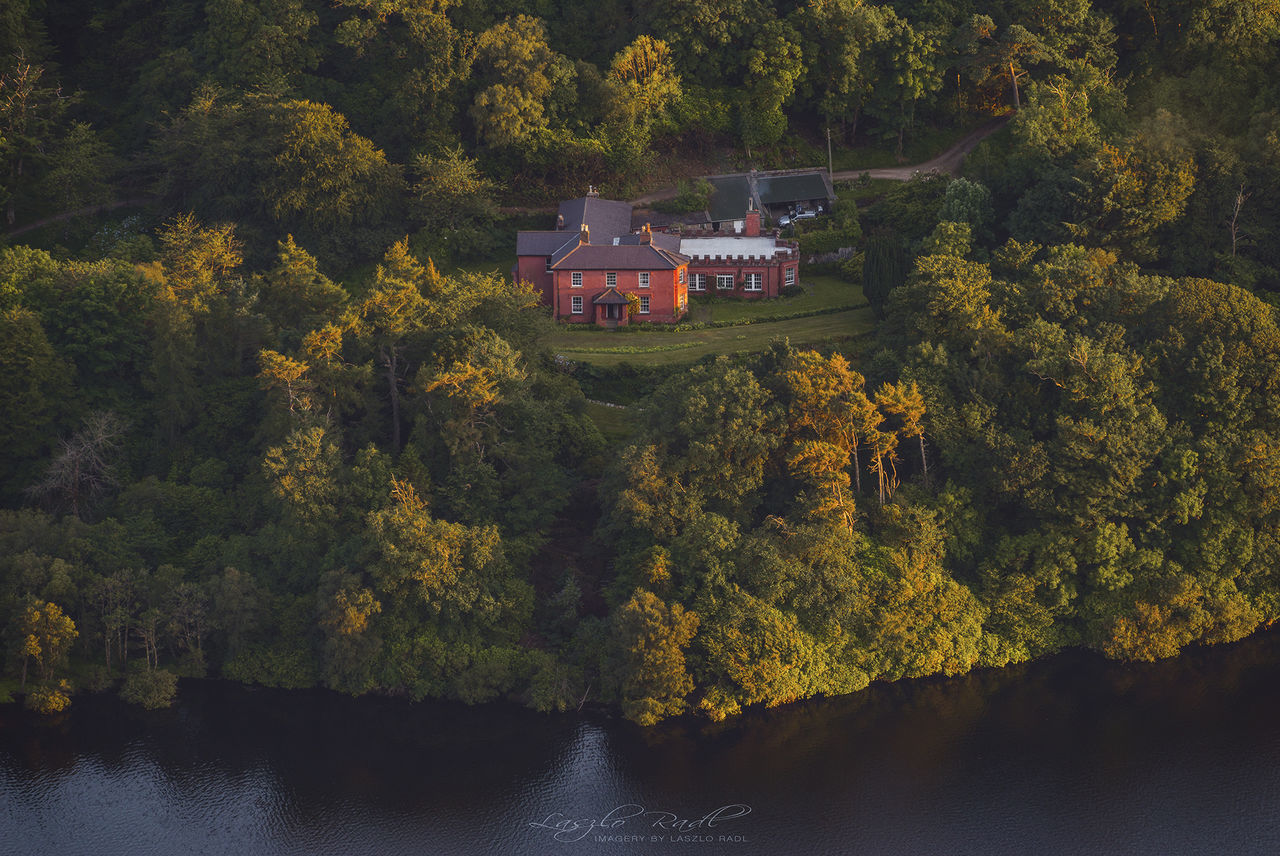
(948, 162)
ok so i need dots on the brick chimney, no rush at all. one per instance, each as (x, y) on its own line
(752, 228)
(585, 235)
(646, 235)
(559, 222)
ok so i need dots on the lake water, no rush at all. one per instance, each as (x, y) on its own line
(1072, 755)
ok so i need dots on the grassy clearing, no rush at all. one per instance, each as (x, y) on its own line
(921, 144)
(617, 424)
(861, 195)
(668, 349)
(820, 292)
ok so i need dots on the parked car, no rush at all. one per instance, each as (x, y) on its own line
(801, 212)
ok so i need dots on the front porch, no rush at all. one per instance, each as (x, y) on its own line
(611, 309)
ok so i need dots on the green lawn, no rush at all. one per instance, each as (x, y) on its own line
(820, 292)
(617, 424)
(921, 144)
(655, 349)
(861, 194)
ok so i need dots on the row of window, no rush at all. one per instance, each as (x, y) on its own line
(724, 281)
(698, 283)
(611, 279)
(575, 304)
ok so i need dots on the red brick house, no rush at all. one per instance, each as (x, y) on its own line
(586, 267)
(591, 281)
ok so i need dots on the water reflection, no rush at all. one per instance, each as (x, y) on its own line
(1074, 755)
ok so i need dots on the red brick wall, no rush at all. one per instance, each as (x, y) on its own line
(664, 293)
(772, 276)
(534, 269)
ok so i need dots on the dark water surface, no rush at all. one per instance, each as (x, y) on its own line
(1071, 755)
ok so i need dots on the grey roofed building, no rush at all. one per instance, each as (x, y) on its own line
(767, 190)
(605, 218)
(730, 199)
(798, 187)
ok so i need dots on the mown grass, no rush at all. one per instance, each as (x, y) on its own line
(669, 349)
(820, 293)
(616, 423)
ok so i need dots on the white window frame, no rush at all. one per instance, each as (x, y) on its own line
(791, 276)
(575, 305)
(610, 280)
(754, 282)
(682, 276)
(644, 304)
(575, 279)
(720, 282)
(644, 279)
(548, 264)
(684, 301)
(699, 282)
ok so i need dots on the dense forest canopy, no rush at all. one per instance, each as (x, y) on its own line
(260, 421)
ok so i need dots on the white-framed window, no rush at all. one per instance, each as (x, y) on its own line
(699, 282)
(791, 276)
(575, 304)
(684, 301)
(644, 279)
(575, 279)
(611, 280)
(724, 281)
(548, 264)
(682, 276)
(754, 282)
(644, 304)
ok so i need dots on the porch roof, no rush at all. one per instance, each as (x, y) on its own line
(610, 297)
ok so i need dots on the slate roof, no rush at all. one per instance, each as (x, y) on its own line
(605, 218)
(543, 243)
(730, 199)
(617, 257)
(733, 193)
(609, 296)
(801, 187)
(661, 240)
